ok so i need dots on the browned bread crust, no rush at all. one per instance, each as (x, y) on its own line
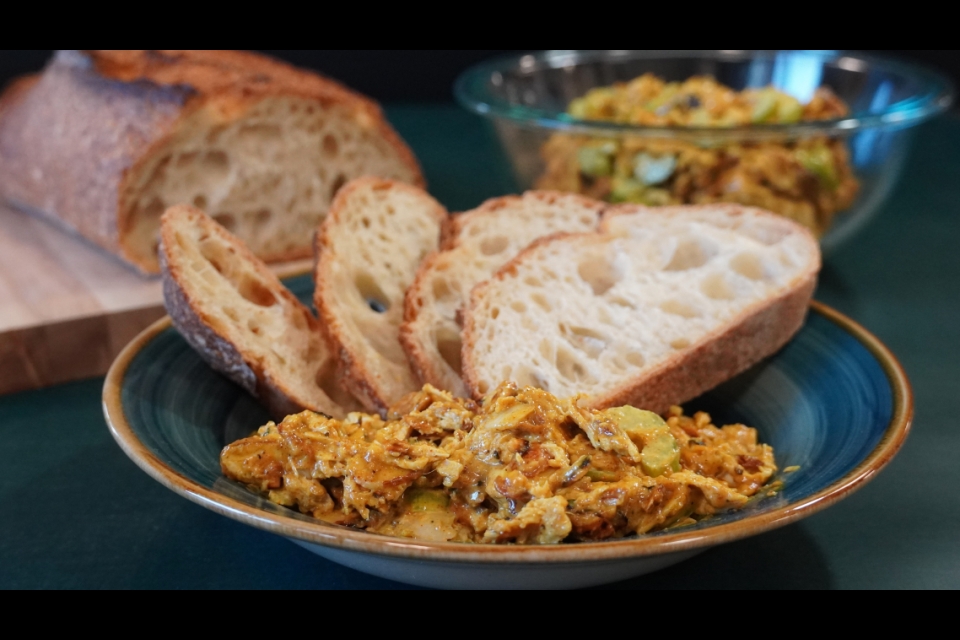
(219, 341)
(75, 145)
(737, 344)
(16, 89)
(490, 207)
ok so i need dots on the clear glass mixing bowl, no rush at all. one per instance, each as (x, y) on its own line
(526, 98)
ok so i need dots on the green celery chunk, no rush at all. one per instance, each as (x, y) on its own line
(819, 161)
(661, 454)
(765, 106)
(633, 420)
(426, 499)
(660, 451)
(626, 190)
(789, 110)
(595, 161)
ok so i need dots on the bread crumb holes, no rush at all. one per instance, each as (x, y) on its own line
(601, 272)
(749, 265)
(255, 291)
(635, 359)
(691, 254)
(716, 287)
(449, 346)
(493, 246)
(682, 309)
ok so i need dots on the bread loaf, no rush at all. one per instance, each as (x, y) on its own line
(104, 141)
(480, 242)
(662, 306)
(240, 319)
(368, 251)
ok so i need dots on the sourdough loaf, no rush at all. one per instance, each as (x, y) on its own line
(240, 319)
(368, 251)
(104, 141)
(662, 306)
(480, 242)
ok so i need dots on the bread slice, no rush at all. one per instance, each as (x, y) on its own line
(368, 251)
(104, 141)
(480, 242)
(242, 320)
(664, 305)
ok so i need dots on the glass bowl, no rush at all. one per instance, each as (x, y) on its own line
(526, 97)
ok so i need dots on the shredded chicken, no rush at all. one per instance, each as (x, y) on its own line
(524, 467)
(807, 178)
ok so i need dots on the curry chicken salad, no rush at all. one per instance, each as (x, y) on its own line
(521, 467)
(808, 179)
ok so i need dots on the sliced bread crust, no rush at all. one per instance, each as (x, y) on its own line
(479, 242)
(241, 319)
(260, 145)
(368, 251)
(664, 305)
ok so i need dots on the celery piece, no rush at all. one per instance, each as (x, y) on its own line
(661, 454)
(626, 190)
(595, 161)
(426, 499)
(632, 419)
(599, 475)
(789, 110)
(652, 170)
(764, 107)
(660, 451)
(818, 160)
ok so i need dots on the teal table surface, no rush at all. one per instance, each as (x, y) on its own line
(76, 513)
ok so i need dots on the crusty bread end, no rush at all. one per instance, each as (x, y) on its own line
(241, 319)
(104, 141)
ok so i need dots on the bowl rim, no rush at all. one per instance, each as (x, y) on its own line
(471, 92)
(346, 539)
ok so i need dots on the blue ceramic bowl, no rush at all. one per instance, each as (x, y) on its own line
(834, 402)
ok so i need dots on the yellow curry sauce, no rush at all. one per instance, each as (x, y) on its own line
(807, 179)
(522, 467)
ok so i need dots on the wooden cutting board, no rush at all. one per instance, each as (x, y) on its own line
(66, 307)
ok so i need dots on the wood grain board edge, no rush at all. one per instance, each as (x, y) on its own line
(67, 308)
(74, 349)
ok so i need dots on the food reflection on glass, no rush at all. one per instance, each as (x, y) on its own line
(808, 179)
(521, 467)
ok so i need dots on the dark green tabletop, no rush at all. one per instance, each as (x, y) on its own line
(76, 513)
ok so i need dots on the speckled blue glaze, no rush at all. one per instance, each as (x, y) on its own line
(824, 403)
